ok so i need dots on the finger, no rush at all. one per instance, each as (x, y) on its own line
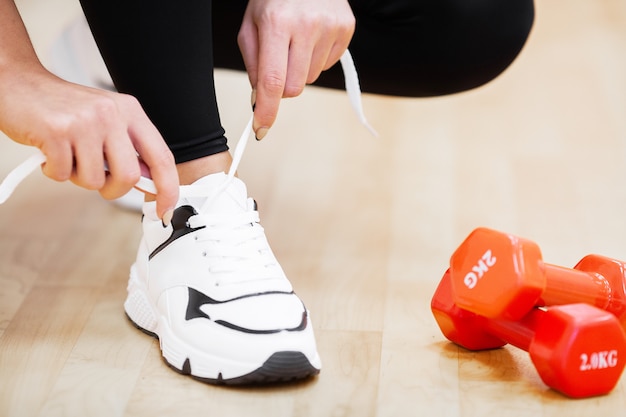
(319, 60)
(59, 162)
(160, 163)
(88, 163)
(323, 58)
(336, 52)
(340, 41)
(145, 183)
(298, 67)
(334, 39)
(272, 74)
(123, 169)
(249, 46)
(154, 152)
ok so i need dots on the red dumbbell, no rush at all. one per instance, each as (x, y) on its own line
(578, 350)
(498, 275)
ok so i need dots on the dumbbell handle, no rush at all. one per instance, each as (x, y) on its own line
(518, 333)
(567, 285)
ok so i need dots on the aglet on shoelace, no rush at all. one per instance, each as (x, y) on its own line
(146, 185)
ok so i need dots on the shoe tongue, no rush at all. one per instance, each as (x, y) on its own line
(231, 199)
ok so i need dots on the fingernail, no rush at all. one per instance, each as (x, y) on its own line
(261, 132)
(167, 217)
(253, 99)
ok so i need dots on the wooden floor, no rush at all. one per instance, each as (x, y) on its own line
(363, 226)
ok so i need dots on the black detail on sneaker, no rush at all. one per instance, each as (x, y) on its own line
(198, 299)
(298, 328)
(186, 367)
(281, 367)
(180, 227)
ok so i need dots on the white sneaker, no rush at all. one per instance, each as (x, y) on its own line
(209, 287)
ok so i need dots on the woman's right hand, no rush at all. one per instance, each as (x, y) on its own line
(76, 127)
(80, 128)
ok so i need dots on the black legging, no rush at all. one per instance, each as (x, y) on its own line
(163, 52)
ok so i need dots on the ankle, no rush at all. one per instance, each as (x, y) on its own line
(189, 172)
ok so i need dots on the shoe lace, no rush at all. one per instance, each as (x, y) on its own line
(235, 247)
(233, 242)
(353, 89)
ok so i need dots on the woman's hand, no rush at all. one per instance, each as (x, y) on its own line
(79, 129)
(286, 44)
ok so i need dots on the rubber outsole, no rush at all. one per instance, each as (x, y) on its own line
(281, 367)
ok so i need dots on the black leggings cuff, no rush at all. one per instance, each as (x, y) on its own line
(198, 148)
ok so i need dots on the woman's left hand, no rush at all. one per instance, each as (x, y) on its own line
(286, 44)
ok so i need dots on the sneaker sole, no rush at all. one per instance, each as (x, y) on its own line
(280, 367)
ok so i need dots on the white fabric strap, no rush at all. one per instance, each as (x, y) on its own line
(147, 185)
(353, 88)
(241, 146)
(16, 176)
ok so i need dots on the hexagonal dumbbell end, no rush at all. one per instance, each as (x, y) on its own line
(498, 275)
(495, 274)
(462, 327)
(578, 350)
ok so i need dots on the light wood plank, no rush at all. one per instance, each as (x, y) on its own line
(37, 343)
(364, 227)
(105, 363)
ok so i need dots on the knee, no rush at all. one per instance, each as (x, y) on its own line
(449, 46)
(485, 38)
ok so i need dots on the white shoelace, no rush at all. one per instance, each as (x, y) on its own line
(235, 247)
(353, 89)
